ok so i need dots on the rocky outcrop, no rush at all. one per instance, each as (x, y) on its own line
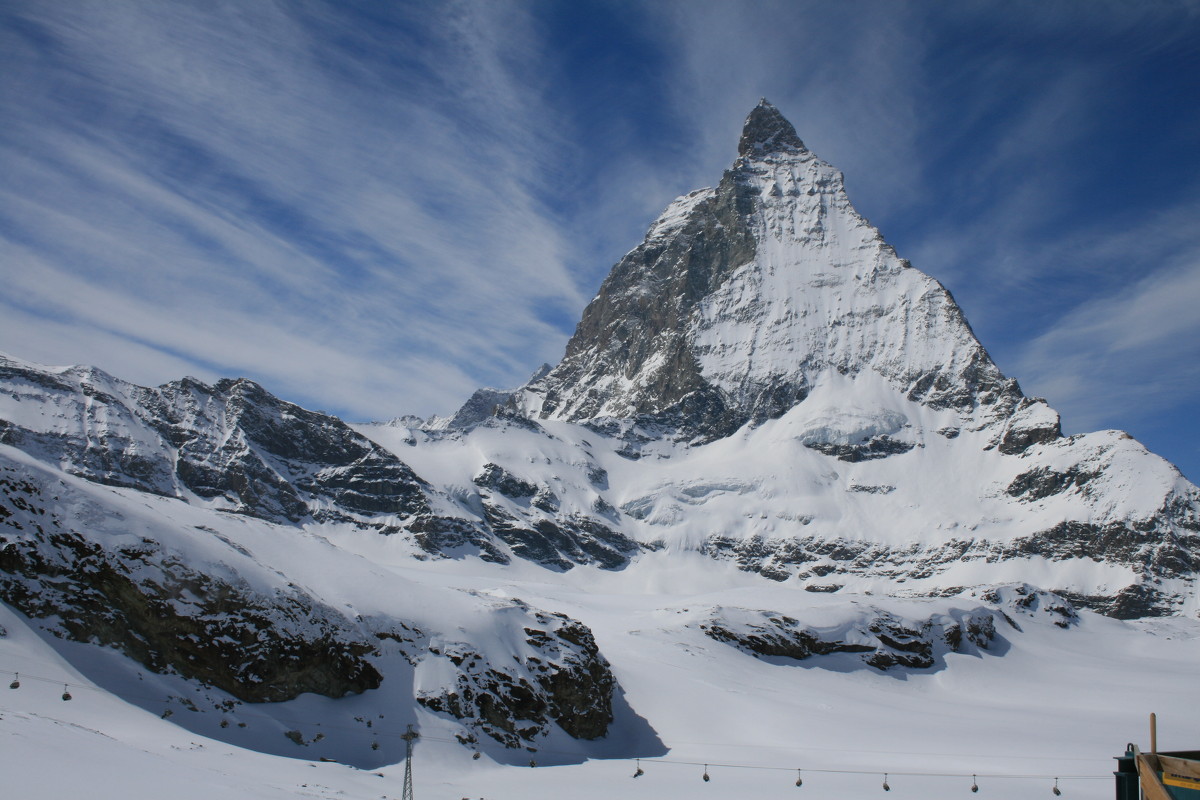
(153, 606)
(825, 565)
(559, 678)
(1156, 551)
(869, 450)
(883, 639)
(635, 333)
(879, 639)
(501, 480)
(560, 542)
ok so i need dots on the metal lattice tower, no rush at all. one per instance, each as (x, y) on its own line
(409, 737)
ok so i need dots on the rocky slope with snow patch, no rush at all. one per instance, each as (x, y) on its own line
(213, 598)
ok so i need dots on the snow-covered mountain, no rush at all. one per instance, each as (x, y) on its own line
(781, 389)
(741, 297)
(771, 441)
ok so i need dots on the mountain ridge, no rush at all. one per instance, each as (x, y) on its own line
(740, 295)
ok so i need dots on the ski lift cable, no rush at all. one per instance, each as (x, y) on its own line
(238, 712)
(639, 761)
(910, 774)
(807, 749)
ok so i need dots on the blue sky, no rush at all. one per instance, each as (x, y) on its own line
(372, 208)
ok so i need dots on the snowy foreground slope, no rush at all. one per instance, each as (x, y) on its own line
(1055, 703)
(775, 515)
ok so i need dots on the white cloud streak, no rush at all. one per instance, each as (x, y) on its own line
(212, 185)
(844, 74)
(362, 206)
(1130, 355)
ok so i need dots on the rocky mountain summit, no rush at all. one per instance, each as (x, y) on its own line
(761, 389)
(769, 299)
(741, 296)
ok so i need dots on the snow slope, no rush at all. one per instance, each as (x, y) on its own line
(945, 510)
(1057, 703)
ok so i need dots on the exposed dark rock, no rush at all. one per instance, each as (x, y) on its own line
(540, 546)
(568, 683)
(170, 617)
(501, 480)
(873, 448)
(598, 476)
(1043, 482)
(881, 640)
(455, 537)
(482, 404)
(1147, 546)
(546, 500)
(767, 131)
(1135, 601)
(1021, 434)
(1033, 602)
(641, 312)
(563, 542)
(1154, 552)
(268, 458)
(776, 640)
(872, 489)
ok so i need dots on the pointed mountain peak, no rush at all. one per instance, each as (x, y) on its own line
(766, 131)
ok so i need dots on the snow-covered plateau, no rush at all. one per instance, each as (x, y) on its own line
(776, 525)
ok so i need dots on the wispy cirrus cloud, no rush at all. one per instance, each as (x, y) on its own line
(844, 74)
(1127, 356)
(374, 208)
(248, 187)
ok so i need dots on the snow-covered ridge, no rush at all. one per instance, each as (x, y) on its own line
(676, 216)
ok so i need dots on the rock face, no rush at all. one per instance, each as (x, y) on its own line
(232, 444)
(883, 640)
(560, 677)
(150, 603)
